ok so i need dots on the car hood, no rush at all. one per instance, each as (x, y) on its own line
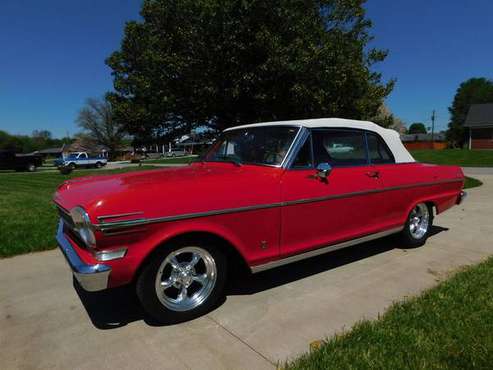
(198, 187)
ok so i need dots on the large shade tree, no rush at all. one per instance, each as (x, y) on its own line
(98, 125)
(224, 62)
(417, 128)
(472, 91)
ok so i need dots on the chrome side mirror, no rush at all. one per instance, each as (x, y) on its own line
(323, 170)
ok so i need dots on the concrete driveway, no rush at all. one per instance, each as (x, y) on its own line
(266, 318)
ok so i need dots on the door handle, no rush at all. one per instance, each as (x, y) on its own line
(373, 174)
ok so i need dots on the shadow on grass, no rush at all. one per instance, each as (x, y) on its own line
(117, 307)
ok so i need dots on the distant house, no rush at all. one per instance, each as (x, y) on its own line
(80, 145)
(193, 144)
(50, 152)
(424, 141)
(479, 122)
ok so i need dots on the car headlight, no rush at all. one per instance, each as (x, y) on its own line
(83, 226)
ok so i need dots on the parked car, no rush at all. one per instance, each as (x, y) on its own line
(154, 155)
(9, 160)
(340, 148)
(264, 195)
(175, 153)
(80, 160)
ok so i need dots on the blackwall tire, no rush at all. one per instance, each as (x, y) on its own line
(418, 225)
(182, 282)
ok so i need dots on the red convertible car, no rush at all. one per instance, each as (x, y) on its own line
(264, 195)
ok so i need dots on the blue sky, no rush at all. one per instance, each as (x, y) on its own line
(52, 55)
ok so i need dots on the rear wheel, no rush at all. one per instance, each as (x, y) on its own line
(99, 165)
(182, 282)
(418, 225)
(31, 167)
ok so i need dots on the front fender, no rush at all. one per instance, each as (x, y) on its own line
(176, 229)
(156, 236)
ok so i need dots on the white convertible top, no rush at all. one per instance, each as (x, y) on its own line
(391, 137)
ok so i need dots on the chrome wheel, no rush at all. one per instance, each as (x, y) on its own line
(419, 221)
(186, 278)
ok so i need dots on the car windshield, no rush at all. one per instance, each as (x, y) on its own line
(72, 156)
(267, 145)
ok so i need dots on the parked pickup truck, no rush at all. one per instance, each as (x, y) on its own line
(9, 160)
(80, 160)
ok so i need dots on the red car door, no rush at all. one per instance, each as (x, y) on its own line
(320, 212)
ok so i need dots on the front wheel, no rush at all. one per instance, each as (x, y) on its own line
(418, 225)
(31, 167)
(99, 165)
(182, 282)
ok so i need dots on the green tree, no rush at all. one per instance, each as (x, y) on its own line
(387, 119)
(472, 91)
(96, 120)
(417, 128)
(9, 142)
(220, 63)
(40, 139)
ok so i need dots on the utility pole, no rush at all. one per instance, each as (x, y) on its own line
(433, 116)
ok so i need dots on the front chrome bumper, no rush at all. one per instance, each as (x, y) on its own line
(90, 277)
(461, 197)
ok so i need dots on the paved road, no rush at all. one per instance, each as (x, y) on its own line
(270, 317)
(109, 166)
(115, 165)
(472, 171)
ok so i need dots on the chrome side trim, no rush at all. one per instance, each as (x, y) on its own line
(120, 215)
(104, 227)
(364, 192)
(316, 252)
(110, 226)
(91, 277)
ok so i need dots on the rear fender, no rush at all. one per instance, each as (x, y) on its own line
(441, 202)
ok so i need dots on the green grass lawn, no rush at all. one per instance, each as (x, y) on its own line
(175, 160)
(448, 327)
(472, 183)
(27, 215)
(460, 157)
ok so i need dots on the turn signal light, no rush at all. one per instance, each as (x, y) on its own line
(111, 254)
